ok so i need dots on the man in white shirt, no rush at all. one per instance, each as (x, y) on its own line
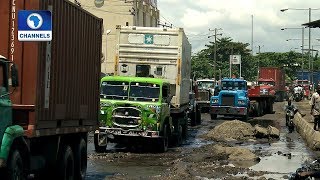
(315, 108)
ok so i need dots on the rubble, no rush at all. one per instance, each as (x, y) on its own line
(238, 130)
(231, 130)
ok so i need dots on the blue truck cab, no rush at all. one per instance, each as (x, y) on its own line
(232, 100)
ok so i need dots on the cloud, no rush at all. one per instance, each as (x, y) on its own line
(234, 17)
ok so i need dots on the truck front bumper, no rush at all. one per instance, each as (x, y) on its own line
(203, 104)
(228, 110)
(111, 132)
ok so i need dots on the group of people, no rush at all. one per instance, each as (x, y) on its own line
(314, 111)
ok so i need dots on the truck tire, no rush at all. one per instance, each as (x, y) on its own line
(66, 164)
(81, 160)
(193, 118)
(213, 116)
(97, 147)
(198, 116)
(15, 166)
(162, 143)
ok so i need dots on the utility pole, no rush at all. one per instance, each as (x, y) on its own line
(252, 35)
(258, 63)
(215, 52)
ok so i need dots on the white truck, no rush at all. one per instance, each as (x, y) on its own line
(160, 53)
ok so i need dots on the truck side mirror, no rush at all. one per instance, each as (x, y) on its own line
(14, 76)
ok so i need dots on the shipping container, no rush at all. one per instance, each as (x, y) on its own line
(306, 75)
(277, 74)
(59, 80)
(158, 52)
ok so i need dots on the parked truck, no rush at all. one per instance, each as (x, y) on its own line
(205, 89)
(261, 99)
(232, 100)
(152, 103)
(49, 92)
(275, 77)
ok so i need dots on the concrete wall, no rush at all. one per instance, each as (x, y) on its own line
(305, 129)
(119, 12)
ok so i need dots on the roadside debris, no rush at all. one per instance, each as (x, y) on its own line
(239, 130)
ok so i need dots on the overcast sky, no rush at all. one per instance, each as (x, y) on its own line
(234, 17)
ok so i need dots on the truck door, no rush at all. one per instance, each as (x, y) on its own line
(5, 103)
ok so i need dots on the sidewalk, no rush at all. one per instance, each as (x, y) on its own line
(305, 126)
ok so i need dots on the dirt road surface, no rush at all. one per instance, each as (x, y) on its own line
(200, 158)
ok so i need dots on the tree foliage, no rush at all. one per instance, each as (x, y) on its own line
(291, 61)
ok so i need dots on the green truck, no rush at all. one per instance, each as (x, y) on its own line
(139, 108)
(153, 98)
(46, 111)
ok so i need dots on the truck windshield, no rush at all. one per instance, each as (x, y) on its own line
(303, 82)
(114, 90)
(270, 83)
(144, 92)
(205, 84)
(233, 85)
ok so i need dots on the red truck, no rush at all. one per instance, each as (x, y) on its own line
(49, 92)
(275, 77)
(261, 99)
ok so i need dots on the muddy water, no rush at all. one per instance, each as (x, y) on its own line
(278, 158)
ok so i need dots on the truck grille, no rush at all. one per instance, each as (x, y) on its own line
(126, 116)
(227, 100)
(203, 96)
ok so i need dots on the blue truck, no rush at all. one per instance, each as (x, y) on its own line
(232, 100)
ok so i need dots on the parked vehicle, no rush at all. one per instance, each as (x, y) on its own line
(232, 99)
(206, 89)
(165, 55)
(49, 93)
(276, 77)
(261, 99)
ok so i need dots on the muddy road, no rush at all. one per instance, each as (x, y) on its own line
(202, 158)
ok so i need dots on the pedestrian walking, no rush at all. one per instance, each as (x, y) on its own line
(315, 108)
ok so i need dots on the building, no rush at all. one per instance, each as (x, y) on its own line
(119, 12)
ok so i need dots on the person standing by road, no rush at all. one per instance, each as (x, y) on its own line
(315, 108)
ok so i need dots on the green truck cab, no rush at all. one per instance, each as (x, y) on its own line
(9, 133)
(134, 108)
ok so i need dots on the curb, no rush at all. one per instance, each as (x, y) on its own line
(305, 129)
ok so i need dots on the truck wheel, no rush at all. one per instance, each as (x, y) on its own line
(98, 148)
(81, 160)
(198, 116)
(66, 164)
(164, 141)
(15, 166)
(193, 117)
(179, 136)
(213, 116)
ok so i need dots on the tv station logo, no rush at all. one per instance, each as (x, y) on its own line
(34, 25)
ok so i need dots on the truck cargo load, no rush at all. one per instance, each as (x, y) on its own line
(276, 77)
(156, 52)
(52, 96)
(49, 91)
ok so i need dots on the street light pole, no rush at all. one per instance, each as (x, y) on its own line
(309, 59)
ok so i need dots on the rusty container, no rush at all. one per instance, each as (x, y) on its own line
(59, 80)
(275, 73)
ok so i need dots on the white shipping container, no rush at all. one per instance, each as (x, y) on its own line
(155, 51)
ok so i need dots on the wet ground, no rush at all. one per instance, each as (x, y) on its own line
(200, 159)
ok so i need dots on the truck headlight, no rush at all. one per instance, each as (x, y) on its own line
(215, 101)
(102, 112)
(241, 102)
